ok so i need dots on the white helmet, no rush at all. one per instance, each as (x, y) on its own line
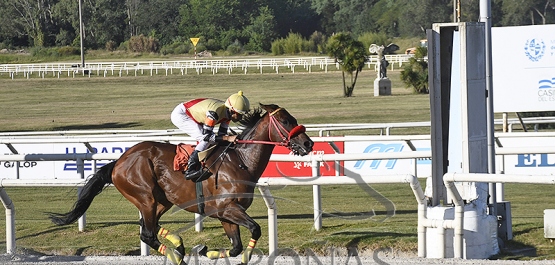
(238, 103)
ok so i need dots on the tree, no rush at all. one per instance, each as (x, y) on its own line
(528, 12)
(157, 17)
(418, 16)
(32, 19)
(261, 31)
(415, 73)
(219, 22)
(103, 21)
(294, 16)
(346, 16)
(351, 56)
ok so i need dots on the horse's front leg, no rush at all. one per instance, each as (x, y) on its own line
(235, 217)
(233, 233)
(231, 219)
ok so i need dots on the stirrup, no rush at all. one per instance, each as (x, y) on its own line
(200, 175)
(193, 174)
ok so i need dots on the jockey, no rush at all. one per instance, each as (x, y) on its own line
(198, 117)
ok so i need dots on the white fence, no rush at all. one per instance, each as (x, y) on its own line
(11, 139)
(263, 185)
(315, 181)
(457, 224)
(211, 65)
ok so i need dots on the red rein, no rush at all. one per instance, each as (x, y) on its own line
(285, 141)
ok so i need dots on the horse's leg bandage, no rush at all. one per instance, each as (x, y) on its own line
(213, 254)
(173, 238)
(248, 252)
(172, 255)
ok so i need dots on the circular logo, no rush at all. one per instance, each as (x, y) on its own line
(534, 49)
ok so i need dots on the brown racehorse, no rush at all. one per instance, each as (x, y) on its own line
(144, 174)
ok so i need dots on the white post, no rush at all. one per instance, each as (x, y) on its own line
(317, 197)
(198, 223)
(272, 220)
(10, 221)
(81, 171)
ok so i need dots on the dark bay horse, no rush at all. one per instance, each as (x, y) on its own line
(144, 175)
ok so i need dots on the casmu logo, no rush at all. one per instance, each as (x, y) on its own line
(546, 90)
(380, 148)
(546, 83)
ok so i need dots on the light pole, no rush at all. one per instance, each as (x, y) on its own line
(81, 36)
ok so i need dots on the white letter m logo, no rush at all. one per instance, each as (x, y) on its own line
(380, 148)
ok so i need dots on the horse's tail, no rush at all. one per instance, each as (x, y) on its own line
(94, 186)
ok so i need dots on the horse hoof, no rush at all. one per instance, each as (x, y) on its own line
(178, 254)
(200, 250)
(181, 250)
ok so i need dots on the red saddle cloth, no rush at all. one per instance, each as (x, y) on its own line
(181, 158)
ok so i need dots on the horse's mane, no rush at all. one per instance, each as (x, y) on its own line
(250, 120)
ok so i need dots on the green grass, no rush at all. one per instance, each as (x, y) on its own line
(360, 222)
(145, 102)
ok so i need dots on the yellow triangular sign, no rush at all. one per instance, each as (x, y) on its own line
(195, 41)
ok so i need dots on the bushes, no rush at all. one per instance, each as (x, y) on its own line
(293, 44)
(278, 47)
(177, 47)
(68, 50)
(54, 51)
(369, 38)
(111, 46)
(317, 42)
(415, 73)
(234, 48)
(142, 43)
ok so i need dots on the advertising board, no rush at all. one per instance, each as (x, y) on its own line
(541, 164)
(298, 169)
(523, 62)
(390, 166)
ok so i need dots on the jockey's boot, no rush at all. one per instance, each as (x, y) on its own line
(194, 169)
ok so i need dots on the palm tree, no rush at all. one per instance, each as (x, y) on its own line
(351, 55)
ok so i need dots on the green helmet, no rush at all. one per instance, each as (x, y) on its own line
(238, 103)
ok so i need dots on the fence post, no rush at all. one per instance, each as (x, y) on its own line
(81, 171)
(316, 196)
(272, 220)
(10, 222)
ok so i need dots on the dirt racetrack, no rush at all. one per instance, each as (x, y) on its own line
(381, 258)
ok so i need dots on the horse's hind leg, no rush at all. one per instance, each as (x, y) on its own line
(151, 212)
(150, 237)
(175, 239)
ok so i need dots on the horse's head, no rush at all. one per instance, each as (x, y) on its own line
(284, 128)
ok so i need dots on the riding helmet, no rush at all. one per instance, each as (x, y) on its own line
(238, 103)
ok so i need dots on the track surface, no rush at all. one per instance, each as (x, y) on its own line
(380, 259)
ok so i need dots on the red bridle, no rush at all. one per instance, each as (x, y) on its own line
(285, 140)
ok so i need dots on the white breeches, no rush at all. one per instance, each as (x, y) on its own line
(185, 123)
